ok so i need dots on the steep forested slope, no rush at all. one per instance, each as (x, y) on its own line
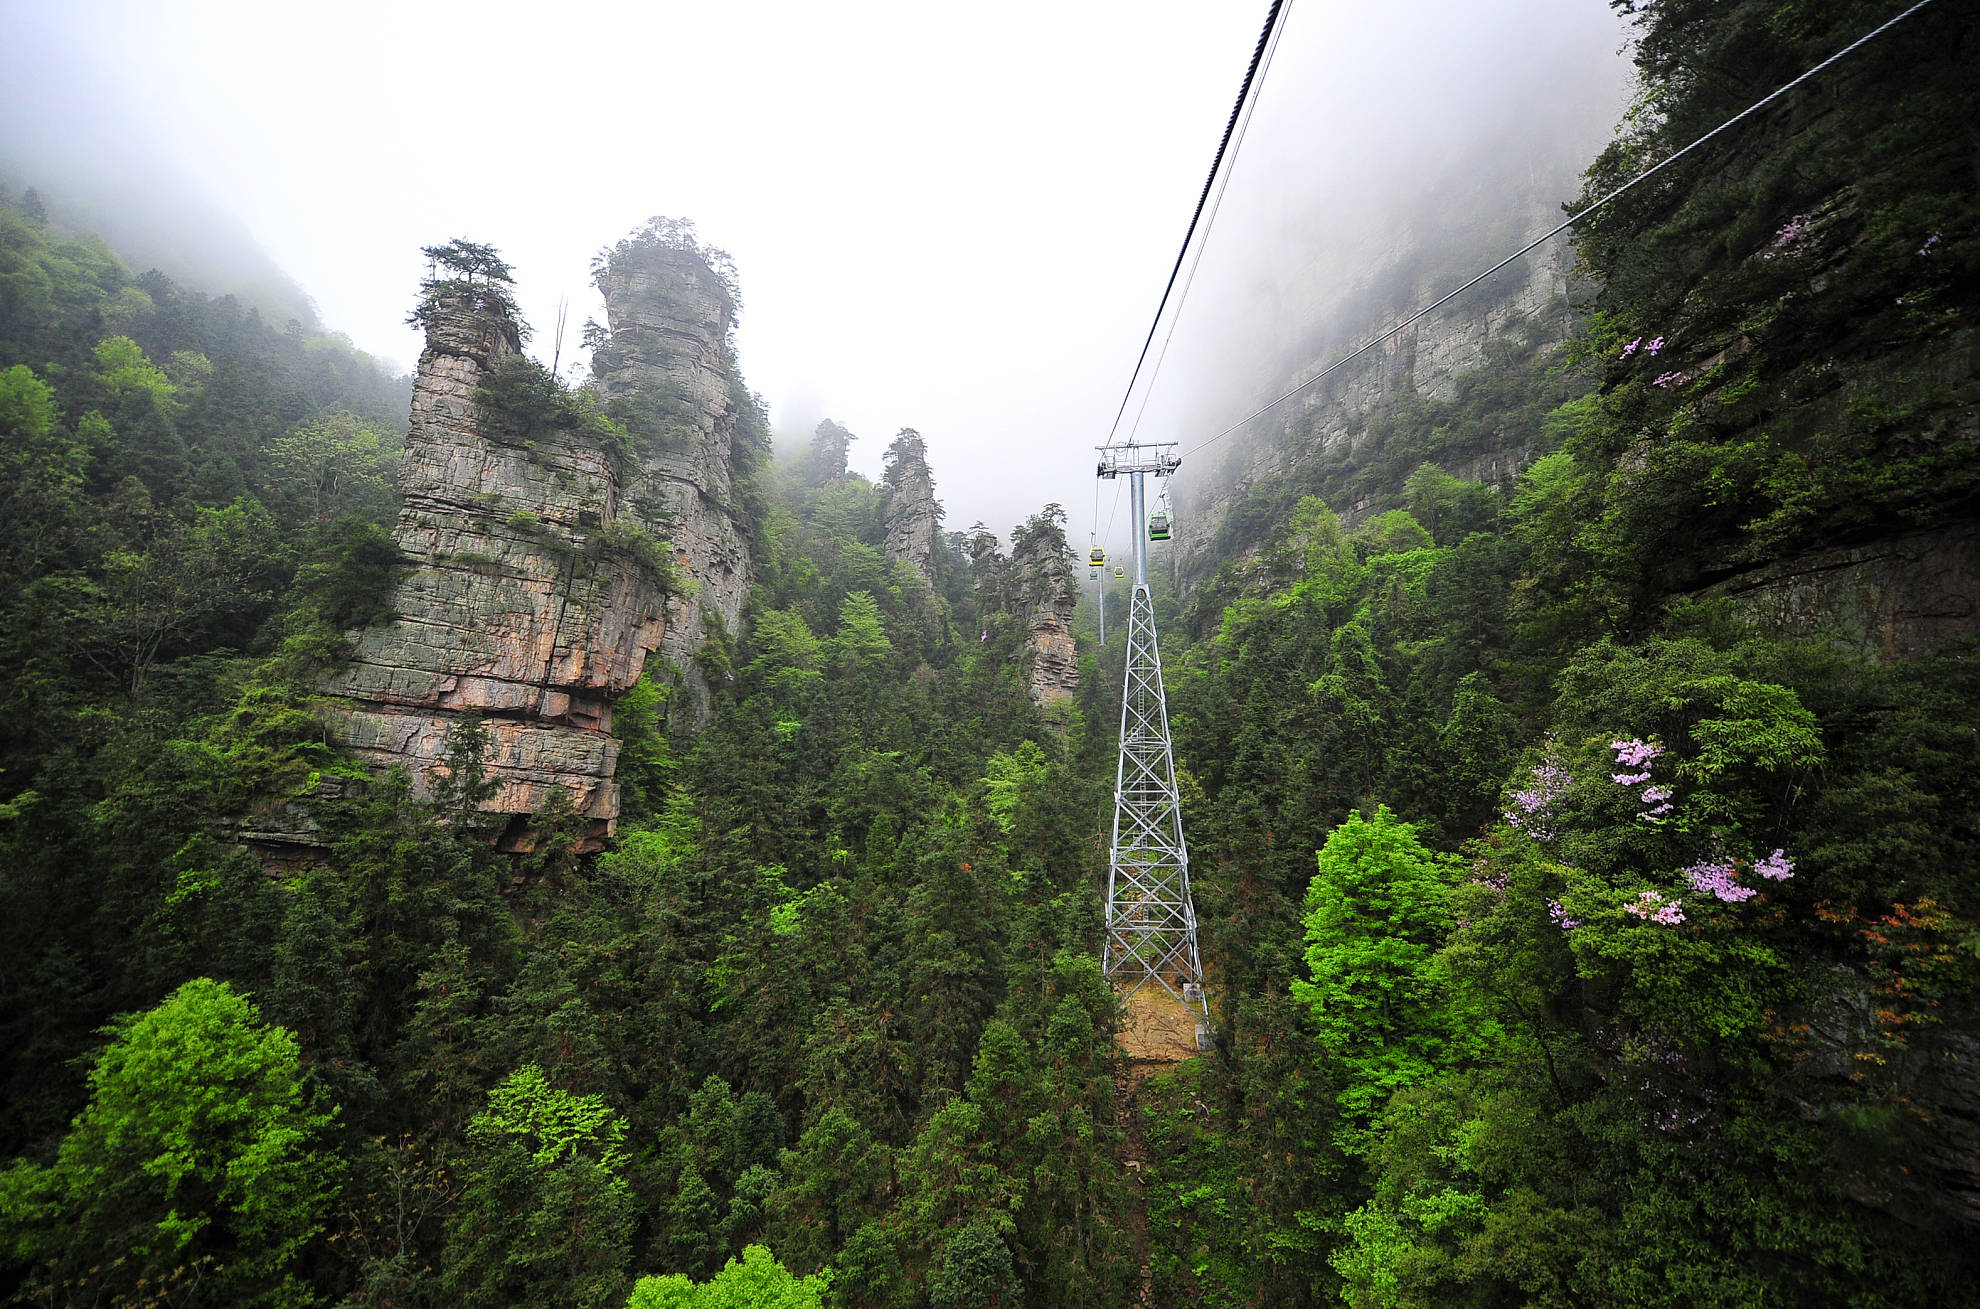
(829, 989)
(1588, 898)
(1637, 967)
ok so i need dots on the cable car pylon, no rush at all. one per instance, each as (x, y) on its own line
(1151, 919)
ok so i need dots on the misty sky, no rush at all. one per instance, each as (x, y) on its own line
(955, 218)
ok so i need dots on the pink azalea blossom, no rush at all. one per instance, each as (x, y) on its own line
(1633, 753)
(1530, 806)
(1485, 875)
(1775, 867)
(1652, 906)
(1715, 877)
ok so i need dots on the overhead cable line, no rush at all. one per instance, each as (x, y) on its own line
(1196, 261)
(1541, 240)
(1272, 17)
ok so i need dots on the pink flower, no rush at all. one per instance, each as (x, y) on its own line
(1530, 806)
(1633, 753)
(1775, 867)
(1671, 379)
(1654, 346)
(1930, 241)
(1630, 349)
(1715, 877)
(1651, 906)
(1558, 912)
(1628, 779)
(1792, 241)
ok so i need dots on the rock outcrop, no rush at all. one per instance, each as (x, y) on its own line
(909, 514)
(1896, 598)
(517, 602)
(1528, 305)
(669, 374)
(830, 445)
(546, 556)
(1046, 590)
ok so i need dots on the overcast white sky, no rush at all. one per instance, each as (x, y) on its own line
(956, 218)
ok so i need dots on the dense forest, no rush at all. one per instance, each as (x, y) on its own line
(1578, 934)
(1638, 962)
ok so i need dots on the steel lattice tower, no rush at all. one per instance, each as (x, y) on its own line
(1151, 921)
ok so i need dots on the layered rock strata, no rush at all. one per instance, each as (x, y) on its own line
(545, 562)
(1531, 302)
(1054, 666)
(830, 446)
(668, 373)
(1896, 598)
(518, 602)
(909, 514)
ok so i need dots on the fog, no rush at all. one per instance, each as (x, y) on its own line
(955, 219)
(1389, 161)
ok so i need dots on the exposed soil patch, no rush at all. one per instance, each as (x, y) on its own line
(1156, 1029)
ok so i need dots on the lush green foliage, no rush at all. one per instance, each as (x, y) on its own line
(1664, 1026)
(755, 1281)
(1575, 941)
(191, 1176)
(829, 992)
(544, 1218)
(1383, 1007)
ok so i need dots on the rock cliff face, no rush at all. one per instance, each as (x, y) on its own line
(545, 561)
(515, 604)
(909, 515)
(668, 373)
(1893, 599)
(1045, 589)
(1529, 302)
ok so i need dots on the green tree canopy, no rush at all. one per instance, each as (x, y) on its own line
(756, 1281)
(1381, 1001)
(545, 1210)
(193, 1171)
